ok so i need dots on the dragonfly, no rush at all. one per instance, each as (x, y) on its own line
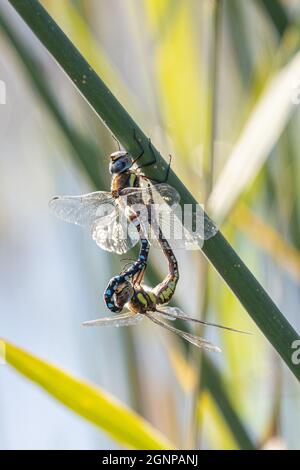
(141, 301)
(111, 215)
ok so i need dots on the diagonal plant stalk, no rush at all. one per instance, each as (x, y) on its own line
(235, 273)
(267, 120)
(86, 152)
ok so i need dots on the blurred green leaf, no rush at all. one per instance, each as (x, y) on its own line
(276, 13)
(261, 131)
(240, 42)
(90, 402)
(214, 382)
(245, 286)
(267, 238)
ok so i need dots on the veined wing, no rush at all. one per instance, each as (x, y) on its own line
(198, 223)
(193, 339)
(183, 227)
(99, 211)
(123, 319)
(154, 206)
(175, 312)
(114, 232)
(83, 210)
(166, 222)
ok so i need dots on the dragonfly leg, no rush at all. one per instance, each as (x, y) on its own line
(152, 162)
(166, 177)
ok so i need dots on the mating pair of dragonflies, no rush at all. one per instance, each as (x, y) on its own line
(123, 217)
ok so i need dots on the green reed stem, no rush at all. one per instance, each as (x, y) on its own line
(235, 273)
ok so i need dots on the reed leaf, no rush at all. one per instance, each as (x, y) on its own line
(261, 131)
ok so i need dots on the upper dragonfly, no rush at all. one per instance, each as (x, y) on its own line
(110, 215)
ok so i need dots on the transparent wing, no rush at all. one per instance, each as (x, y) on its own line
(83, 210)
(158, 206)
(114, 232)
(195, 340)
(199, 225)
(110, 228)
(123, 319)
(169, 221)
(175, 312)
(154, 205)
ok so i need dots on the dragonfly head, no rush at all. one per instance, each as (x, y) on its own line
(123, 294)
(120, 161)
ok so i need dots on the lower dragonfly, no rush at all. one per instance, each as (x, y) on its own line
(127, 290)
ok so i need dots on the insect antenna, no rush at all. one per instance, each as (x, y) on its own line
(195, 340)
(129, 262)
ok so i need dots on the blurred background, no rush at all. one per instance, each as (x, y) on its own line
(217, 85)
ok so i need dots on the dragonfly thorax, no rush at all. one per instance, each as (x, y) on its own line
(142, 301)
(120, 161)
